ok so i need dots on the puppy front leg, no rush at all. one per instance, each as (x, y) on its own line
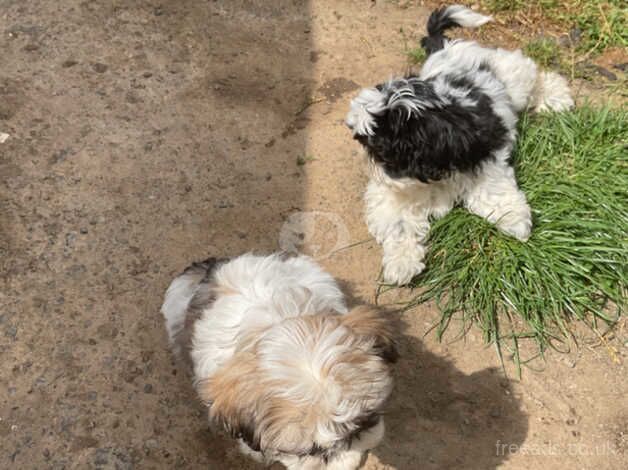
(400, 226)
(496, 197)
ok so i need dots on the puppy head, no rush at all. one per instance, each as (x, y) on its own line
(395, 122)
(309, 387)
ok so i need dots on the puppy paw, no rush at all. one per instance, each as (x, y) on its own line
(520, 229)
(553, 93)
(402, 262)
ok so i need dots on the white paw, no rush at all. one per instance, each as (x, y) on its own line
(402, 262)
(555, 94)
(520, 228)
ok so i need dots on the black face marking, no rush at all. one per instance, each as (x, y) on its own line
(447, 136)
(363, 423)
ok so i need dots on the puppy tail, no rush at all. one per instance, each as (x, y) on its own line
(179, 295)
(453, 16)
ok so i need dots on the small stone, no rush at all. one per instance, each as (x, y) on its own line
(147, 74)
(102, 456)
(151, 444)
(495, 413)
(70, 239)
(606, 73)
(68, 63)
(132, 98)
(76, 271)
(11, 332)
(60, 156)
(99, 68)
(31, 47)
(148, 388)
(623, 67)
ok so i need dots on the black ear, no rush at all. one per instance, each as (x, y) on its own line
(363, 139)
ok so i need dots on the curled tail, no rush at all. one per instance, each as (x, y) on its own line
(178, 297)
(453, 16)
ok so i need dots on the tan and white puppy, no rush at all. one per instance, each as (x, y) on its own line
(280, 361)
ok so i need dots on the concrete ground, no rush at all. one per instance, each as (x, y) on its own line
(144, 135)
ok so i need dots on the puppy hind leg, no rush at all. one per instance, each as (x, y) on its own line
(400, 229)
(518, 73)
(496, 197)
(551, 93)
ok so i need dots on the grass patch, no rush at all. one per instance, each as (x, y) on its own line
(414, 55)
(574, 171)
(544, 51)
(602, 23)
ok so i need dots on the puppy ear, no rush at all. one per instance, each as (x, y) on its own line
(231, 395)
(364, 109)
(366, 320)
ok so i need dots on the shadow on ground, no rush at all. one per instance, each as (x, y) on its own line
(446, 417)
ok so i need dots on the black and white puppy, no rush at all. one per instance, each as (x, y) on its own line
(446, 136)
(283, 365)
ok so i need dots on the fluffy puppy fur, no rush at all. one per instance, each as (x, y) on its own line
(280, 361)
(446, 136)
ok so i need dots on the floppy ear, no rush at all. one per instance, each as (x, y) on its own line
(231, 394)
(366, 320)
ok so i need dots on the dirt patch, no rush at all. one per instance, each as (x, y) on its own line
(335, 88)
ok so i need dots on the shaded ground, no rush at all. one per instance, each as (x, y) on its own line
(144, 135)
